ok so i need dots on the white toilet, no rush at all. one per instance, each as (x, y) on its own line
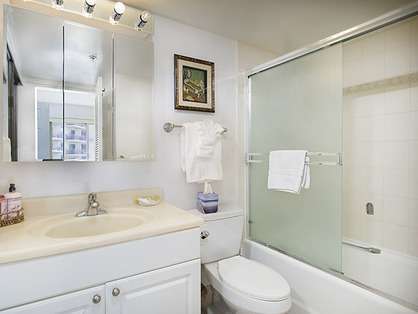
(246, 286)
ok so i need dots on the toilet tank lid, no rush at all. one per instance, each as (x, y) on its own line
(223, 214)
(253, 279)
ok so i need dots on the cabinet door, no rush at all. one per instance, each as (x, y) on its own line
(90, 301)
(171, 290)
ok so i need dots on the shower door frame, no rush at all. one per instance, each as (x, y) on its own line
(356, 31)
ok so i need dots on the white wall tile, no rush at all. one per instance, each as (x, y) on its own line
(414, 96)
(412, 248)
(398, 54)
(375, 233)
(414, 130)
(414, 39)
(398, 100)
(373, 61)
(396, 182)
(368, 180)
(399, 126)
(413, 183)
(413, 213)
(413, 156)
(395, 154)
(368, 105)
(396, 211)
(352, 57)
(396, 238)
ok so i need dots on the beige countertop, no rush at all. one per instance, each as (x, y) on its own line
(28, 239)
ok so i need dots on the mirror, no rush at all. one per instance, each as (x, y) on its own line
(73, 92)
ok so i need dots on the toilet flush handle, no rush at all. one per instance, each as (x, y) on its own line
(204, 234)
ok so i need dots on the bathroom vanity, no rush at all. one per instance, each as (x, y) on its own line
(131, 260)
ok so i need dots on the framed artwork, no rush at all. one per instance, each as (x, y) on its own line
(194, 87)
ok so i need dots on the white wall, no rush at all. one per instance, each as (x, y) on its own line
(55, 178)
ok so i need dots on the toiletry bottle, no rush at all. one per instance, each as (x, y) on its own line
(13, 202)
(3, 207)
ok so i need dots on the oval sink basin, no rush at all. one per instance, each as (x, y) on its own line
(92, 226)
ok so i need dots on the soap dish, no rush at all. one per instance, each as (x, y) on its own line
(148, 200)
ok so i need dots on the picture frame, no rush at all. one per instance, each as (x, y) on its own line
(194, 84)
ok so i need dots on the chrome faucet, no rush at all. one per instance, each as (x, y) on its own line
(93, 208)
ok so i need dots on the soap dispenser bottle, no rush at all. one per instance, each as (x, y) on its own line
(13, 202)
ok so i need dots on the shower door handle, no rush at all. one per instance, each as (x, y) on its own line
(252, 160)
(370, 249)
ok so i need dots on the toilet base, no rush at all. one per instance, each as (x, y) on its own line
(222, 306)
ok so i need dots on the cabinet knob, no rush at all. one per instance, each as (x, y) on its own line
(96, 299)
(204, 234)
(115, 292)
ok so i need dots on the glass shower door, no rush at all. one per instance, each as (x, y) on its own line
(298, 105)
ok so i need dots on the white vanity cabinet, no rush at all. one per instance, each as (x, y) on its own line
(171, 290)
(89, 301)
(156, 275)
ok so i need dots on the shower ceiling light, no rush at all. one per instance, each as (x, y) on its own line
(143, 19)
(118, 11)
(88, 7)
(58, 4)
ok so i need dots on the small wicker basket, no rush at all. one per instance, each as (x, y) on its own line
(11, 218)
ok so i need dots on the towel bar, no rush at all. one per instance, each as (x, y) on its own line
(252, 160)
(169, 126)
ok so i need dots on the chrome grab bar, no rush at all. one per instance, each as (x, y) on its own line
(370, 249)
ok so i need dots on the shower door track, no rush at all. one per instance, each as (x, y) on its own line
(374, 24)
(367, 27)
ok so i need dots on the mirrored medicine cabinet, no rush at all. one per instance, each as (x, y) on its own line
(73, 92)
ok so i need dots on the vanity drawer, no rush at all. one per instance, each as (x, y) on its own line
(89, 301)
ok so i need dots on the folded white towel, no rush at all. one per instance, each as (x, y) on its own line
(209, 134)
(201, 151)
(288, 171)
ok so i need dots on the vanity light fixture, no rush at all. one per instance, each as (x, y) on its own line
(58, 4)
(88, 7)
(143, 20)
(118, 11)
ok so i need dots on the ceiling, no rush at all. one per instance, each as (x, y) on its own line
(277, 26)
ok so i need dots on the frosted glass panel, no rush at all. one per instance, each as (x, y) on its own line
(298, 105)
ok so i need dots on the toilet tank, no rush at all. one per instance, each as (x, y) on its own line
(224, 234)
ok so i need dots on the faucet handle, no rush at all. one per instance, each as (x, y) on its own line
(92, 197)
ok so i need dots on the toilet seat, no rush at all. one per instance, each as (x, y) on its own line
(253, 279)
(247, 292)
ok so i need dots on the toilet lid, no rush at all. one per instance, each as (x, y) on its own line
(253, 279)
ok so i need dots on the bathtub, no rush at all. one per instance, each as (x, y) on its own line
(390, 271)
(317, 292)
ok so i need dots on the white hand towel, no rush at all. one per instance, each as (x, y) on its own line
(288, 171)
(201, 163)
(209, 134)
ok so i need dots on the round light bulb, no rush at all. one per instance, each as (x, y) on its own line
(88, 7)
(145, 16)
(118, 11)
(119, 8)
(142, 20)
(58, 4)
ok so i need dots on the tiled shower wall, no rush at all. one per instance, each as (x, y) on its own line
(381, 137)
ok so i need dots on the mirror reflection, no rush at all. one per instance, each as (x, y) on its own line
(66, 86)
